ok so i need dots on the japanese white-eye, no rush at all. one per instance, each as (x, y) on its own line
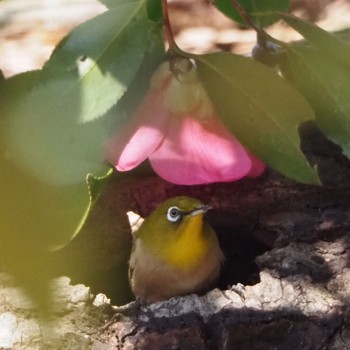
(175, 252)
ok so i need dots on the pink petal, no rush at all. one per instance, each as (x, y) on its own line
(258, 167)
(141, 135)
(195, 153)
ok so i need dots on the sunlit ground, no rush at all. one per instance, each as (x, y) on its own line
(29, 30)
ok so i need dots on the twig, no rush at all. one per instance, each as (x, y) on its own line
(168, 33)
(243, 13)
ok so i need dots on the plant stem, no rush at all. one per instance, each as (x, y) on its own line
(168, 33)
(243, 13)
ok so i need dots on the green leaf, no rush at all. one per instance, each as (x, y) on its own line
(343, 35)
(2, 77)
(154, 9)
(261, 109)
(42, 136)
(259, 11)
(154, 55)
(101, 57)
(44, 158)
(34, 217)
(36, 213)
(330, 44)
(114, 3)
(326, 85)
(96, 185)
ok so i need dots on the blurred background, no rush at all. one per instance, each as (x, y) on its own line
(29, 30)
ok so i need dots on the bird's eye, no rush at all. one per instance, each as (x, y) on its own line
(174, 214)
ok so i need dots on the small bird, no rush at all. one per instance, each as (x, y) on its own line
(175, 252)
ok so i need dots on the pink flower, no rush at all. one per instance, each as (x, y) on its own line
(175, 127)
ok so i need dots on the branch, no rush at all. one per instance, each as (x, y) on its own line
(168, 34)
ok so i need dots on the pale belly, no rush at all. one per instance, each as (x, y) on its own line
(154, 280)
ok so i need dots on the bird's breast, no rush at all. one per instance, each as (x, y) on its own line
(191, 246)
(154, 279)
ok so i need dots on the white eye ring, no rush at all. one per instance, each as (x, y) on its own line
(174, 214)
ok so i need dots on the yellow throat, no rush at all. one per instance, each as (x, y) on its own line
(190, 246)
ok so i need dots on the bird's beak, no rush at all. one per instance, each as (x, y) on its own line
(200, 210)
